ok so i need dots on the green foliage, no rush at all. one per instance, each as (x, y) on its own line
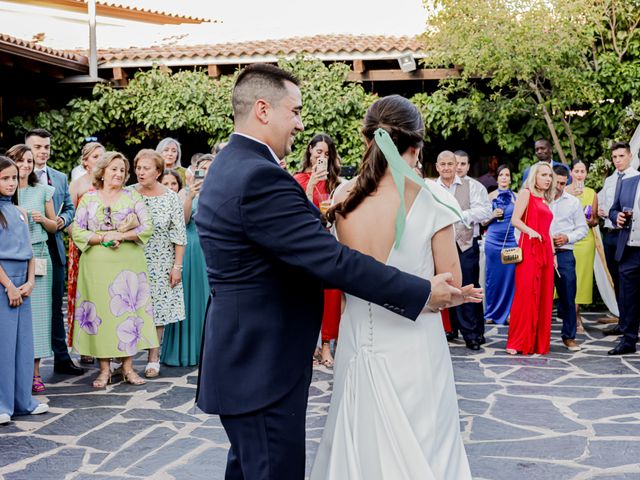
(158, 103)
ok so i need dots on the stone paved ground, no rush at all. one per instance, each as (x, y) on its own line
(561, 416)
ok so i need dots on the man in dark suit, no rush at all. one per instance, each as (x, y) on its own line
(625, 214)
(39, 141)
(268, 261)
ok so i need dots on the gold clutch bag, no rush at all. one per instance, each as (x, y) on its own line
(511, 255)
(130, 222)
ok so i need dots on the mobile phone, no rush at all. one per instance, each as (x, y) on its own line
(321, 164)
(199, 174)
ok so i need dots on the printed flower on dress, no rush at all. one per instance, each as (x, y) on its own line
(129, 292)
(87, 317)
(86, 216)
(129, 333)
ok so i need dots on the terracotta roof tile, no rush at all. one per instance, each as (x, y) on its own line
(133, 9)
(67, 55)
(318, 44)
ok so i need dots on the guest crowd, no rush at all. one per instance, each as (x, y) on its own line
(135, 274)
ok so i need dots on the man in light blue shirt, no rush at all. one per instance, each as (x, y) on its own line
(569, 226)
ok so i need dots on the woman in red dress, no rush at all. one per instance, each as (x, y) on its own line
(319, 178)
(530, 321)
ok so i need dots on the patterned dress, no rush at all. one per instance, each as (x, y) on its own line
(114, 313)
(34, 198)
(167, 215)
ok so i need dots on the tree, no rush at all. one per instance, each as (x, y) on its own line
(190, 104)
(529, 55)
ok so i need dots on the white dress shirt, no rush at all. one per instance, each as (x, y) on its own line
(568, 219)
(608, 192)
(634, 234)
(479, 204)
(41, 173)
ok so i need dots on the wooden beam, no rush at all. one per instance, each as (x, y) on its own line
(214, 71)
(358, 66)
(395, 75)
(120, 76)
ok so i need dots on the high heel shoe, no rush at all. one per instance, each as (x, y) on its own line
(37, 386)
(132, 378)
(102, 380)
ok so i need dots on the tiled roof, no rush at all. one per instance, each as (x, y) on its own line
(39, 53)
(328, 46)
(136, 10)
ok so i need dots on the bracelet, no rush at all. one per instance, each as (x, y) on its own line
(177, 267)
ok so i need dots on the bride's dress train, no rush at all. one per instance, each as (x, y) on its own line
(394, 411)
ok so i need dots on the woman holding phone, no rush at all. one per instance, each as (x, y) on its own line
(319, 177)
(182, 340)
(585, 249)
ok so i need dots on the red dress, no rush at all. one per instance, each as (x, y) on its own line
(332, 298)
(530, 321)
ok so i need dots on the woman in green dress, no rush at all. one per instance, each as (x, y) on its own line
(182, 340)
(37, 200)
(585, 249)
(114, 313)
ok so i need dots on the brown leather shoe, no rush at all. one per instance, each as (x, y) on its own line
(571, 345)
(607, 320)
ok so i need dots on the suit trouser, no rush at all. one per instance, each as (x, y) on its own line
(629, 297)
(269, 444)
(58, 333)
(610, 244)
(16, 348)
(566, 288)
(469, 317)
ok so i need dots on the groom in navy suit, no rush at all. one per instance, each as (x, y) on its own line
(625, 214)
(268, 260)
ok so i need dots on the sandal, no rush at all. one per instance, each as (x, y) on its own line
(326, 361)
(102, 380)
(152, 370)
(132, 378)
(317, 358)
(512, 351)
(37, 386)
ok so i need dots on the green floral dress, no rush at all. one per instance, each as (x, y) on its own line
(114, 313)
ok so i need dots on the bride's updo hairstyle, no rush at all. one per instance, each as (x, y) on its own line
(404, 124)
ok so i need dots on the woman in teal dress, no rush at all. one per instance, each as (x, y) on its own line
(37, 200)
(114, 313)
(182, 340)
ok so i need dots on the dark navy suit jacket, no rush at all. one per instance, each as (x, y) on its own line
(268, 261)
(61, 198)
(625, 197)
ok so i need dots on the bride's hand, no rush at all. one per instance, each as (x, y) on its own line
(471, 294)
(443, 294)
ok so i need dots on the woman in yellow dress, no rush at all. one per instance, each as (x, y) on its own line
(584, 251)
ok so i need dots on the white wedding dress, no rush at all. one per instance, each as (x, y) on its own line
(394, 410)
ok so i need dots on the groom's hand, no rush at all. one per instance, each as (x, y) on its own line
(445, 295)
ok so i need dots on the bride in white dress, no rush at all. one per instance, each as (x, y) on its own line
(394, 411)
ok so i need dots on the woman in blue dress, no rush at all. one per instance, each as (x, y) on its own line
(182, 340)
(500, 278)
(17, 278)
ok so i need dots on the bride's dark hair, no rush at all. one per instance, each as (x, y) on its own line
(403, 122)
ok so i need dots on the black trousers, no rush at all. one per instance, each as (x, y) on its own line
(469, 318)
(610, 243)
(629, 296)
(58, 332)
(269, 444)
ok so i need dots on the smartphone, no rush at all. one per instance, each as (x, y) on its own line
(199, 174)
(321, 164)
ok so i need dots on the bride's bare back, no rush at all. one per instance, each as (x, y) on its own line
(370, 228)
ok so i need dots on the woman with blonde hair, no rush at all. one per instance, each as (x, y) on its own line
(91, 153)
(530, 321)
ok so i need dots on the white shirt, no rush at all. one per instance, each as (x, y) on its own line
(256, 140)
(479, 204)
(608, 192)
(43, 179)
(634, 235)
(568, 219)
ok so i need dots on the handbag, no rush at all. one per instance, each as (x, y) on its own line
(512, 255)
(129, 223)
(41, 264)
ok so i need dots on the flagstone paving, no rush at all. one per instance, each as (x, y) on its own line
(560, 416)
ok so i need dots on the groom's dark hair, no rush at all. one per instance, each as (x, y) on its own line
(259, 81)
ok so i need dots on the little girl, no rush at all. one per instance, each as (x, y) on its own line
(17, 275)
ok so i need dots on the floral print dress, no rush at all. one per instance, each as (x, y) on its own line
(114, 313)
(167, 215)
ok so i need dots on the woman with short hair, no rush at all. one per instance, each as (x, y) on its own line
(171, 152)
